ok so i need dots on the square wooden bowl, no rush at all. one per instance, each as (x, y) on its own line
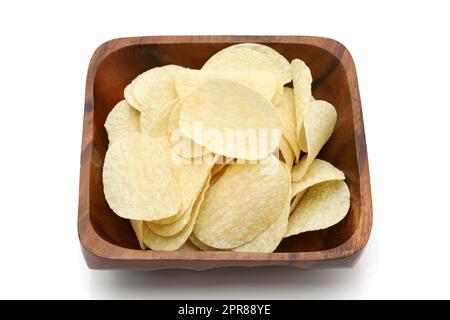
(108, 242)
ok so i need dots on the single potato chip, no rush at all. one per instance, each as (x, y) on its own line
(154, 88)
(242, 203)
(283, 65)
(319, 171)
(263, 82)
(137, 179)
(322, 206)
(286, 111)
(121, 121)
(320, 119)
(237, 60)
(156, 242)
(270, 238)
(229, 119)
(138, 230)
(302, 80)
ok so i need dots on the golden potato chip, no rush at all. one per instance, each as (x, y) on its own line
(319, 171)
(188, 246)
(287, 153)
(237, 60)
(323, 205)
(286, 111)
(154, 88)
(156, 242)
(242, 203)
(270, 238)
(155, 122)
(138, 181)
(302, 80)
(296, 200)
(230, 119)
(138, 230)
(121, 121)
(264, 82)
(320, 119)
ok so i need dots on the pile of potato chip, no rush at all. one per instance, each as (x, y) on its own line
(193, 158)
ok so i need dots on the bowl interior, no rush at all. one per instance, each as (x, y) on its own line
(330, 84)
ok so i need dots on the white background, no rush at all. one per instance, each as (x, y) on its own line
(402, 55)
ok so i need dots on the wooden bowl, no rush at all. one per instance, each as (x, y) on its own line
(108, 242)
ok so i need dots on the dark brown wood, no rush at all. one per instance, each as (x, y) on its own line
(108, 241)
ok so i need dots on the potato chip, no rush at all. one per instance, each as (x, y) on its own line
(296, 200)
(138, 230)
(229, 119)
(264, 82)
(138, 181)
(237, 60)
(154, 88)
(242, 203)
(156, 242)
(121, 121)
(302, 80)
(322, 206)
(284, 67)
(319, 171)
(155, 122)
(320, 119)
(286, 111)
(270, 238)
(287, 153)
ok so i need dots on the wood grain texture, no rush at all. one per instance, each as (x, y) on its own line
(108, 241)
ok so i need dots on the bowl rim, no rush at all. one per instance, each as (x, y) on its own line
(98, 247)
